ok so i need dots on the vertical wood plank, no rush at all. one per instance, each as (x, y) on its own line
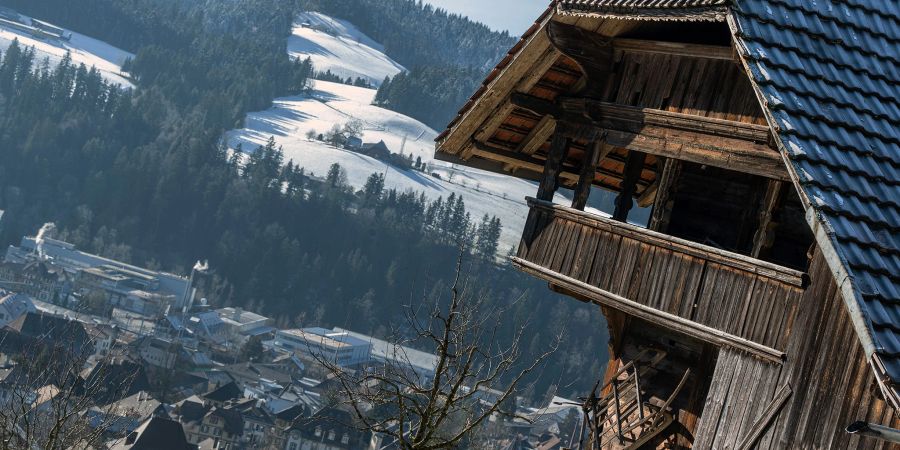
(625, 200)
(662, 205)
(559, 148)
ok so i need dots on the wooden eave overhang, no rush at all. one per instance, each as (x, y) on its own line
(507, 125)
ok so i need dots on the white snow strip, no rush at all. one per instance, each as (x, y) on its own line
(84, 50)
(333, 103)
(340, 47)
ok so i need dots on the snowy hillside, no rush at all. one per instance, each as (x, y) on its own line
(328, 104)
(338, 46)
(84, 50)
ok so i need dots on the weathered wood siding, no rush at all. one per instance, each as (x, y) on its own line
(705, 87)
(826, 368)
(746, 298)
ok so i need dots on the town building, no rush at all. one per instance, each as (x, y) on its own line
(158, 352)
(399, 357)
(241, 325)
(13, 306)
(334, 347)
(126, 415)
(156, 433)
(134, 288)
(39, 279)
(757, 302)
(331, 428)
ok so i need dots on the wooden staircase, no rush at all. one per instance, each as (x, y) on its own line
(618, 417)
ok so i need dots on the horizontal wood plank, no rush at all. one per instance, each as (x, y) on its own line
(675, 49)
(745, 263)
(669, 321)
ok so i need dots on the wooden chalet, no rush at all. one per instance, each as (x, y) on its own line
(759, 305)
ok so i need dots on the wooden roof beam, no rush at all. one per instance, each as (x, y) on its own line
(520, 161)
(721, 143)
(675, 48)
(586, 111)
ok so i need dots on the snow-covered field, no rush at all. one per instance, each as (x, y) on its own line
(328, 104)
(84, 50)
(337, 45)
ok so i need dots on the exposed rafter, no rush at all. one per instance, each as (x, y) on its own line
(716, 142)
(675, 49)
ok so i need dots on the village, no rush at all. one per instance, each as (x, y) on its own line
(178, 371)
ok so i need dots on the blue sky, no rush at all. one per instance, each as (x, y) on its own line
(514, 16)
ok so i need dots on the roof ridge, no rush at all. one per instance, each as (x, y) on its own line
(812, 35)
(817, 13)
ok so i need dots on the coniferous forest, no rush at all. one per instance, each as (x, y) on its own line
(141, 175)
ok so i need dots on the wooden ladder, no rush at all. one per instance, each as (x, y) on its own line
(621, 419)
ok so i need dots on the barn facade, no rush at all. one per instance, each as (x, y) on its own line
(755, 301)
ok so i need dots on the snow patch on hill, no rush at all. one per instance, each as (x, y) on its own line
(328, 104)
(333, 103)
(338, 46)
(84, 50)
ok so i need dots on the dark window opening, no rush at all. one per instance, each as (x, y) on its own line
(792, 236)
(716, 207)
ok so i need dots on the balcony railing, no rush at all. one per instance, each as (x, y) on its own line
(721, 295)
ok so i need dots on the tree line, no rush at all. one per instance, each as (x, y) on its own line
(143, 175)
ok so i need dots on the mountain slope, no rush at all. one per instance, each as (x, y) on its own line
(83, 50)
(338, 46)
(329, 104)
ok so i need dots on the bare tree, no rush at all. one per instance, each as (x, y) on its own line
(476, 376)
(48, 391)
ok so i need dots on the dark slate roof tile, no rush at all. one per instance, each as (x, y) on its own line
(813, 67)
(884, 9)
(828, 28)
(889, 341)
(830, 76)
(870, 259)
(848, 183)
(770, 35)
(885, 316)
(833, 202)
(848, 15)
(876, 286)
(853, 230)
(805, 149)
(801, 124)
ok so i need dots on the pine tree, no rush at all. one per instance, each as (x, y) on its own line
(336, 177)
(373, 189)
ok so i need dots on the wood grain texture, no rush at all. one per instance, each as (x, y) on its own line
(734, 294)
(832, 384)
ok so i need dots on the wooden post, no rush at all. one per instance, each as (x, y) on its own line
(761, 240)
(662, 205)
(559, 148)
(633, 167)
(593, 156)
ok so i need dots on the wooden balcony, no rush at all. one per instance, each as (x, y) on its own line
(718, 296)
